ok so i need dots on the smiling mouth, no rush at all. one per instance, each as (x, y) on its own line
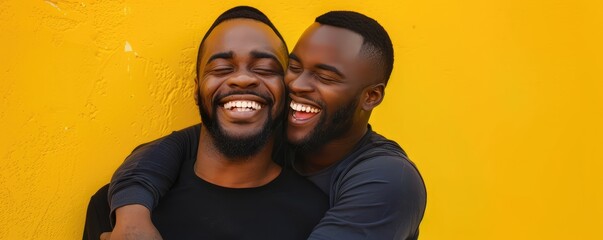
(242, 106)
(302, 111)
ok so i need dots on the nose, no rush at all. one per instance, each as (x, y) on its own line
(243, 80)
(300, 83)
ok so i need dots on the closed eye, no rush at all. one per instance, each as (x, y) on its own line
(219, 71)
(295, 68)
(266, 71)
(326, 78)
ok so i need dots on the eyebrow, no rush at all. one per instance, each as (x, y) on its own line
(294, 57)
(257, 54)
(320, 66)
(221, 55)
(329, 68)
(254, 54)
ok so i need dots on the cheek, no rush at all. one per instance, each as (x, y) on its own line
(277, 87)
(336, 97)
(331, 95)
(289, 76)
(207, 89)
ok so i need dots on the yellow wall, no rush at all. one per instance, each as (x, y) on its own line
(498, 102)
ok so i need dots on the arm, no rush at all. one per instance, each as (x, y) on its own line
(147, 173)
(133, 222)
(379, 198)
(138, 184)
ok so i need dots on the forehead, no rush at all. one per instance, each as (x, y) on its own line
(242, 36)
(326, 43)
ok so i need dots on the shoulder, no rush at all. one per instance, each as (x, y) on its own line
(170, 142)
(377, 193)
(181, 136)
(381, 167)
(379, 157)
(390, 174)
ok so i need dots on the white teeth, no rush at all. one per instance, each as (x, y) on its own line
(243, 105)
(303, 108)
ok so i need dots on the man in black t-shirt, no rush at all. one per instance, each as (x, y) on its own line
(229, 187)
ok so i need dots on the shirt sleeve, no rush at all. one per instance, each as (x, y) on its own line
(147, 173)
(379, 198)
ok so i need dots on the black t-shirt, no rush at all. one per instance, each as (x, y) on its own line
(286, 208)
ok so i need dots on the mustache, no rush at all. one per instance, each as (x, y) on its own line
(266, 97)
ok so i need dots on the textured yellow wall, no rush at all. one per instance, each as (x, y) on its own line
(498, 102)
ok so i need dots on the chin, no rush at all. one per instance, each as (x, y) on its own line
(299, 142)
(294, 141)
(295, 137)
(241, 134)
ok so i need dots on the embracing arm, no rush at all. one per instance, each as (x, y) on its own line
(381, 198)
(148, 173)
(138, 184)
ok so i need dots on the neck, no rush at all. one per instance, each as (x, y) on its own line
(252, 171)
(331, 152)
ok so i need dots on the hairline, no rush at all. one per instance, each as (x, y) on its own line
(372, 52)
(202, 44)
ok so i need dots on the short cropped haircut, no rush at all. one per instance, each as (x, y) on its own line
(377, 43)
(240, 12)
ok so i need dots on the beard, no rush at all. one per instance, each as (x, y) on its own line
(325, 130)
(237, 147)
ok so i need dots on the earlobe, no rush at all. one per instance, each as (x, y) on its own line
(373, 96)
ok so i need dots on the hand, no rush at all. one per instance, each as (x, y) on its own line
(133, 222)
(105, 236)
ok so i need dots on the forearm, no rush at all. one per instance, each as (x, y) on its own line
(133, 222)
(143, 179)
(134, 193)
(148, 172)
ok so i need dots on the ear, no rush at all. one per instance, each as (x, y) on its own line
(196, 94)
(373, 96)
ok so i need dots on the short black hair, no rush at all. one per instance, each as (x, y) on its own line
(244, 12)
(376, 43)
